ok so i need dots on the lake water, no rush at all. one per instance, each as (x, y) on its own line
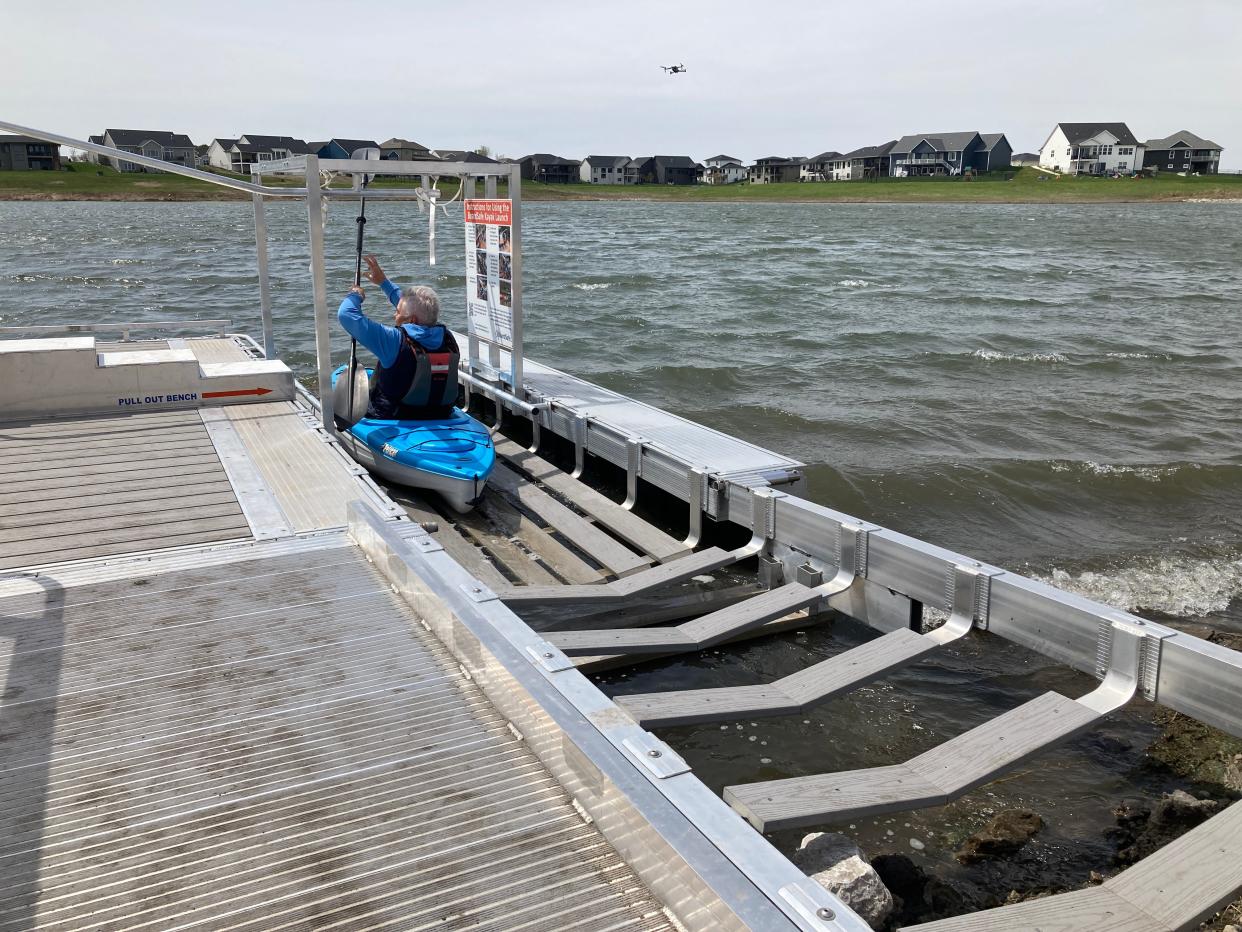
(1056, 389)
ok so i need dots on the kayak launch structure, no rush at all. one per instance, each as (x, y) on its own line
(187, 621)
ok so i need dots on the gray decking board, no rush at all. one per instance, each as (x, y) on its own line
(111, 498)
(1175, 888)
(699, 633)
(602, 548)
(794, 693)
(932, 778)
(512, 523)
(274, 744)
(625, 524)
(665, 574)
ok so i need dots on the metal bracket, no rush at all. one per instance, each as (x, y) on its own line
(425, 544)
(580, 445)
(633, 469)
(963, 585)
(1127, 656)
(807, 899)
(477, 592)
(656, 756)
(549, 657)
(697, 479)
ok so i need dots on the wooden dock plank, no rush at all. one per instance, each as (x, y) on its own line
(625, 524)
(693, 706)
(30, 491)
(169, 487)
(514, 558)
(856, 667)
(794, 693)
(454, 544)
(605, 550)
(560, 559)
(14, 453)
(1174, 889)
(71, 519)
(16, 551)
(932, 778)
(692, 635)
(705, 561)
(82, 459)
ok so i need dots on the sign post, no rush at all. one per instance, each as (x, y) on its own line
(493, 289)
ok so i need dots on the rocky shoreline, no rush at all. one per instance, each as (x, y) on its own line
(1005, 860)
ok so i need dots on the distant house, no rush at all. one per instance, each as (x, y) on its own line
(1024, 159)
(722, 169)
(154, 144)
(549, 169)
(466, 155)
(25, 153)
(861, 163)
(405, 150)
(775, 169)
(949, 153)
(1091, 149)
(671, 169)
(200, 155)
(343, 148)
(1182, 152)
(605, 169)
(240, 154)
(816, 168)
(998, 153)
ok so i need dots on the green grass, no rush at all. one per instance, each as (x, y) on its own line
(1026, 186)
(90, 182)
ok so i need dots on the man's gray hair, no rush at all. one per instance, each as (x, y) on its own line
(423, 303)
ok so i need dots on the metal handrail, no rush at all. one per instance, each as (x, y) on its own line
(138, 158)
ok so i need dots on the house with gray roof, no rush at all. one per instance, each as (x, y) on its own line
(1182, 152)
(865, 162)
(948, 153)
(467, 155)
(606, 169)
(775, 168)
(405, 150)
(25, 153)
(550, 169)
(1091, 149)
(337, 148)
(155, 144)
(239, 155)
(722, 169)
(816, 167)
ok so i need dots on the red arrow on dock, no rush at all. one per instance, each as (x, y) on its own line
(240, 391)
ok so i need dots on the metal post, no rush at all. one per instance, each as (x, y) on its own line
(515, 241)
(473, 341)
(323, 338)
(265, 285)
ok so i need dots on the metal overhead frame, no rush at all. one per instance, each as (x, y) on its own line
(312, 168)
(316, 194)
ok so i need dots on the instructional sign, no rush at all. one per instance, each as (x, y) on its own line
(489, 270)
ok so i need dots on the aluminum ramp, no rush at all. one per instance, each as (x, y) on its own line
(272, 743)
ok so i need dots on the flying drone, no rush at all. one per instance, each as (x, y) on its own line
(674, 69)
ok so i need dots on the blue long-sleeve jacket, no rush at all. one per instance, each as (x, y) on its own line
(384, 340)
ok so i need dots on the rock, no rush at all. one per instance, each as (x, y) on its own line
(1008, 831)
(916, 844)
(836, 863)
(1232, 778)
(947, 898)
(1143, 831)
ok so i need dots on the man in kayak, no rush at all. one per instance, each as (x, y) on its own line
(416, 374)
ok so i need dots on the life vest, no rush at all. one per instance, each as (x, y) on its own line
(420, 385)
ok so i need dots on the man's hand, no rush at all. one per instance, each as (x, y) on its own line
(362, 295)
(375, 275)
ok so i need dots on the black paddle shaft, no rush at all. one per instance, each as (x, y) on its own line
(353, 343)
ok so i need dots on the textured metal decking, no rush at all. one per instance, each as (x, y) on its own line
(273, 744)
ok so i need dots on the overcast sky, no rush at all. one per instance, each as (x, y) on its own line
(581, 78)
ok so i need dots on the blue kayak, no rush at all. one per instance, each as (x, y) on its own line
(453, 456)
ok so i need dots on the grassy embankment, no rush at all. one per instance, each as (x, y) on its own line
(90, 182)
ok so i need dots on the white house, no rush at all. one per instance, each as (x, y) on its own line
(606, 169)
(1091, 149)
(240, 154)
(817, 167)
(723, 169)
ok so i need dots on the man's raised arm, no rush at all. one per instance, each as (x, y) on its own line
(376, 276)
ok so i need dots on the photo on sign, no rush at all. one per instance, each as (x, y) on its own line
(480, 262)
(506, 266)
(506, 294)
(480, 287)
(505, 236)
(480, 236)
